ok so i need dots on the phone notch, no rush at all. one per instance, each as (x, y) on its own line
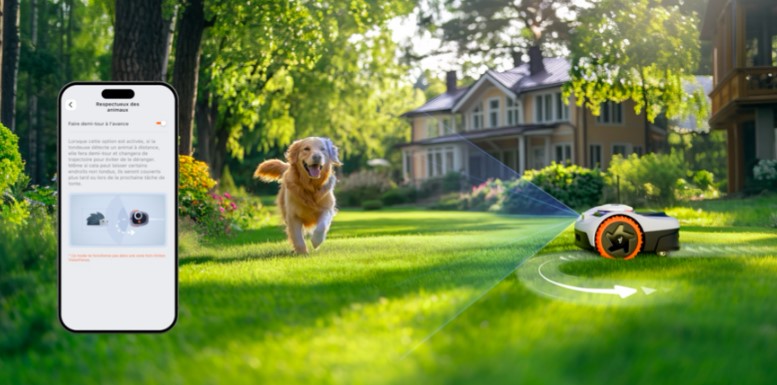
(114, 93)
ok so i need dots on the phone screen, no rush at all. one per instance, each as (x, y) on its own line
(117, 212)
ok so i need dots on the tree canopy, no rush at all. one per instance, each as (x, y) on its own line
(639, 50)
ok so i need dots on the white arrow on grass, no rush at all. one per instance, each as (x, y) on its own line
(622, 291)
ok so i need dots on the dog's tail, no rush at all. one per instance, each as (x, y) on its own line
(271, 170)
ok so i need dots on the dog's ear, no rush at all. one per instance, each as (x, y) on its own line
(332, 151)
(292, 154)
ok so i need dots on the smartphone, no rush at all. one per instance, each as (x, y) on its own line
(117, 216)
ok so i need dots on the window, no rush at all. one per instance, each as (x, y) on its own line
(610, 113)
(432, 127)
(440, 161)
(760, 38)
(477, 117)
(548, 107)
(564, 153)
(458, 123)
(493, 112)
(447, 125)
(438, 167)
(562, 110)
(622, 149)
(408, 165)
(547, 110)
(513, 112)
(638, 150)
(538, 110)
(595, 156)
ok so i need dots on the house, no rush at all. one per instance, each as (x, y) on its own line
(744, 95)
(521, 118)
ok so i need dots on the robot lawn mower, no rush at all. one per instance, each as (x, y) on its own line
(617, 232)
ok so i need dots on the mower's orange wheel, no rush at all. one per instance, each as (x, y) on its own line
(619, 237)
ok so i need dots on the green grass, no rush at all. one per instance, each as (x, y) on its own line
(374, 305)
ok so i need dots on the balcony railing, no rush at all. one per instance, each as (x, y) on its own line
(752, 84)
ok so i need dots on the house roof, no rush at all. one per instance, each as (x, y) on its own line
(482, 134)
(441, 102)
(515, 81)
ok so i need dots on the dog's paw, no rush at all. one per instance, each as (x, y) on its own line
(317, 238)
(301, 250)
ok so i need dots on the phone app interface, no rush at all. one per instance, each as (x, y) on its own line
(118, 210)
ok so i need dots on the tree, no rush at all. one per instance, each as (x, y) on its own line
(638, 50)
(10, 69)
(186, 69)
(139, 43)
(502, 28)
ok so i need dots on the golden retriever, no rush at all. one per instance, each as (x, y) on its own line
(306, 198)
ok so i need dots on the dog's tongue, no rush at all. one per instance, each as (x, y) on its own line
(315, 170)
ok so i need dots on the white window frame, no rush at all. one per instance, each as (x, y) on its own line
(591, 162)
(548, 100)
(475, 113)
(431, 157)
(514, 110)
(491, 113)
(564, 146)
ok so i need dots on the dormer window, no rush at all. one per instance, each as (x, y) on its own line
(493, 112)
(477, 117)
(514, 115)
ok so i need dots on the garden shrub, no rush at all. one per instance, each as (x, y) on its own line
(28, 275)
(649, 179)
(704, 179)
(486, 196)
(210, 211)
(452, 182)
(451, 201)
(400, 195)
(11, 164)
(372, 204)
(575, 186)
(361, 186)
(765, 174)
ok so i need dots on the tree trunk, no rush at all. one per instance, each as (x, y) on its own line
(10, 63)
(205, 114)
(170, 31)
(46, 134)
(34, 167)
(139, 40)
(186, 70)
(219, 152)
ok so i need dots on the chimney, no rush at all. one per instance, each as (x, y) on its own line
(535, 60)
(517, 58)
(450, 81)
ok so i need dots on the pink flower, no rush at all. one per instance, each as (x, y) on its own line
(221, 209)
(226, 194)
(234, 206)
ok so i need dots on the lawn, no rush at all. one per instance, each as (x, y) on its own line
(412, 296)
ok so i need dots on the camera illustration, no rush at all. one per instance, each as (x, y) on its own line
(138, 218)
(96, 219)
